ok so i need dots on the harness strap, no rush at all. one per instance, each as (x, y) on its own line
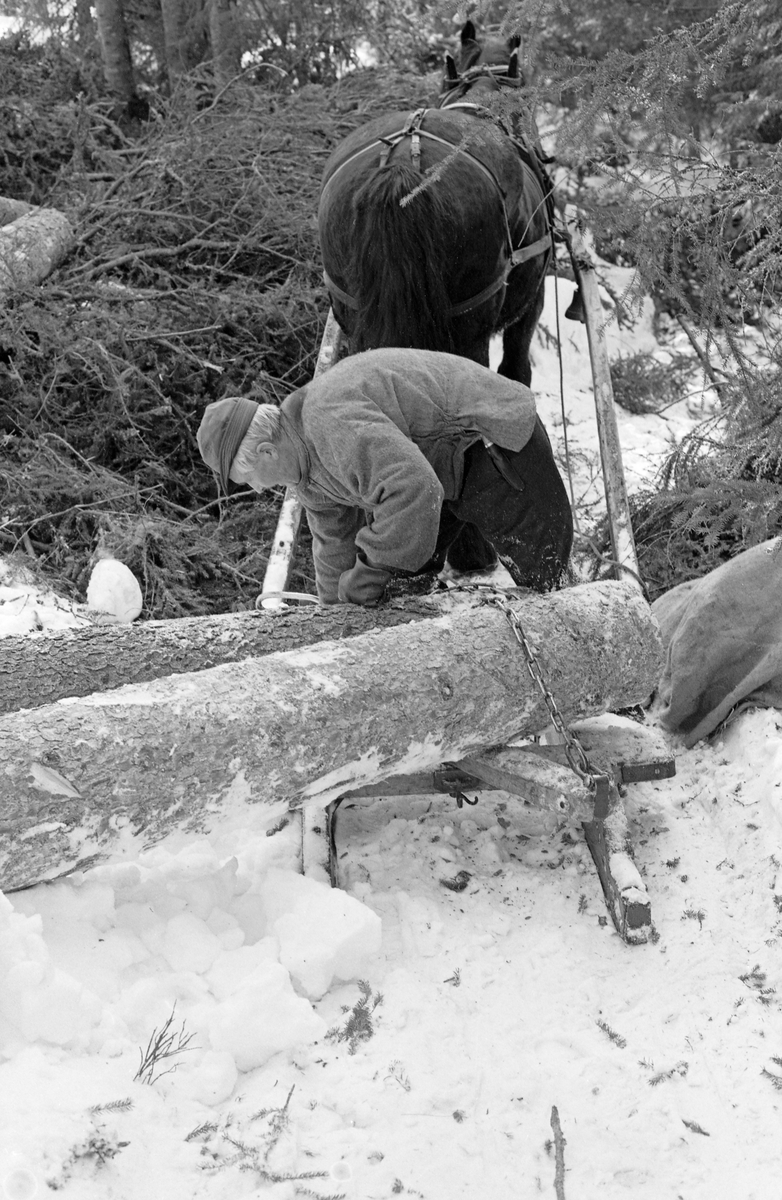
(524, 253)
(464, 81)
(476, 301)
(338, 292)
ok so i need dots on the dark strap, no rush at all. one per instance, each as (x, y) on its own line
(505, 467)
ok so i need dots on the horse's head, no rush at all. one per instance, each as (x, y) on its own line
(487, 65)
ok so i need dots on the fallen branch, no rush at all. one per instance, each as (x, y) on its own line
(559, 1153)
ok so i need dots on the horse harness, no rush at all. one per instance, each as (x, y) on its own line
(412, 130)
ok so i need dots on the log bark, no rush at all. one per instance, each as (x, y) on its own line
(31, 246)
(84, 780)
(42, 668)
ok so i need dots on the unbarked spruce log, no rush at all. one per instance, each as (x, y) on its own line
(85, 780)
(42, 668)
(32, 243)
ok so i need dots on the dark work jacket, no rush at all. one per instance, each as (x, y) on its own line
(381, 439)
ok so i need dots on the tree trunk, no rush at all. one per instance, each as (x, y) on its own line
(225, 41)
(84, 24)
(82, 780)
(75, 662)
(175, 26)
(32, 245)
(115, 47)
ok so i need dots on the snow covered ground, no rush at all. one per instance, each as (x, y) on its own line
(400, 1038)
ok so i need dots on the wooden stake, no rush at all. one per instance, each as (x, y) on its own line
(278, 568)
(618, 508)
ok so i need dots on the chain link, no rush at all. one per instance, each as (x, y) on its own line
(574, 751)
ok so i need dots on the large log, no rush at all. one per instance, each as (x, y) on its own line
(82, 780)
(41, 668)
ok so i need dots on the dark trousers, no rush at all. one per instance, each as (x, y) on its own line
(528, 522)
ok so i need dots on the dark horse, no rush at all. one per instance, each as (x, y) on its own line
(435, 225)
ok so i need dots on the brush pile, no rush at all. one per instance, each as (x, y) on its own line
(196, 275)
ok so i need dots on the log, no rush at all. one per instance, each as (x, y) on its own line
(37, 669)
(32, 245)
(83, 780)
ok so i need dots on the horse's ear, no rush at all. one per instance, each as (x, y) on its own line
(468, 32)
(450, 67)
(513, 64)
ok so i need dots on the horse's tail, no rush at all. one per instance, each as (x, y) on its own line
(402, 246)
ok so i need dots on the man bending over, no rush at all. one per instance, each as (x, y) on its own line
(393, 454)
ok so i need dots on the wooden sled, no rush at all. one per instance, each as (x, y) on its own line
(538, 774)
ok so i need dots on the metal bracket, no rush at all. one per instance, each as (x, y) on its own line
(645, 772)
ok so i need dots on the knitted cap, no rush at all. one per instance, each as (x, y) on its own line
(221, 432)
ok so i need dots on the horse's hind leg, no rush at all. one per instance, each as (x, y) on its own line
(517, 339)
(471, 552)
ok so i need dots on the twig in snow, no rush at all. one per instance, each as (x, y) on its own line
(163, 1043)
(611, 1034)
(695, 1127)
(559, 1155)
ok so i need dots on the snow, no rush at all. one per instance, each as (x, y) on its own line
(113, 592)
(410, 1033)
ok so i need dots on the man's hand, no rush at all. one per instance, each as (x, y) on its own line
(362, 584)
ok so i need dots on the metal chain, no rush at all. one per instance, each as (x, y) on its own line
(574, 751)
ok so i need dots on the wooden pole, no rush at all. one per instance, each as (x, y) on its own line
(278, 568)
(617, 505)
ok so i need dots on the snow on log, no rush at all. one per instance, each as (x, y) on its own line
(83, 780)
(31, 244)
(41, 668)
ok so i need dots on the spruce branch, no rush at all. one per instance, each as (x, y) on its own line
(611, 1034)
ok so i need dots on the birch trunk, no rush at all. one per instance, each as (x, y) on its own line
(83, 780)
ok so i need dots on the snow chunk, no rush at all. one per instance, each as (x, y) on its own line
(189, 945)
(211, 1080)
(231, 968)
(262, 1018)
(324, 934)
(113, 592)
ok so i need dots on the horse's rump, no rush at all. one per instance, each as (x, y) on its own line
(411, 232)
